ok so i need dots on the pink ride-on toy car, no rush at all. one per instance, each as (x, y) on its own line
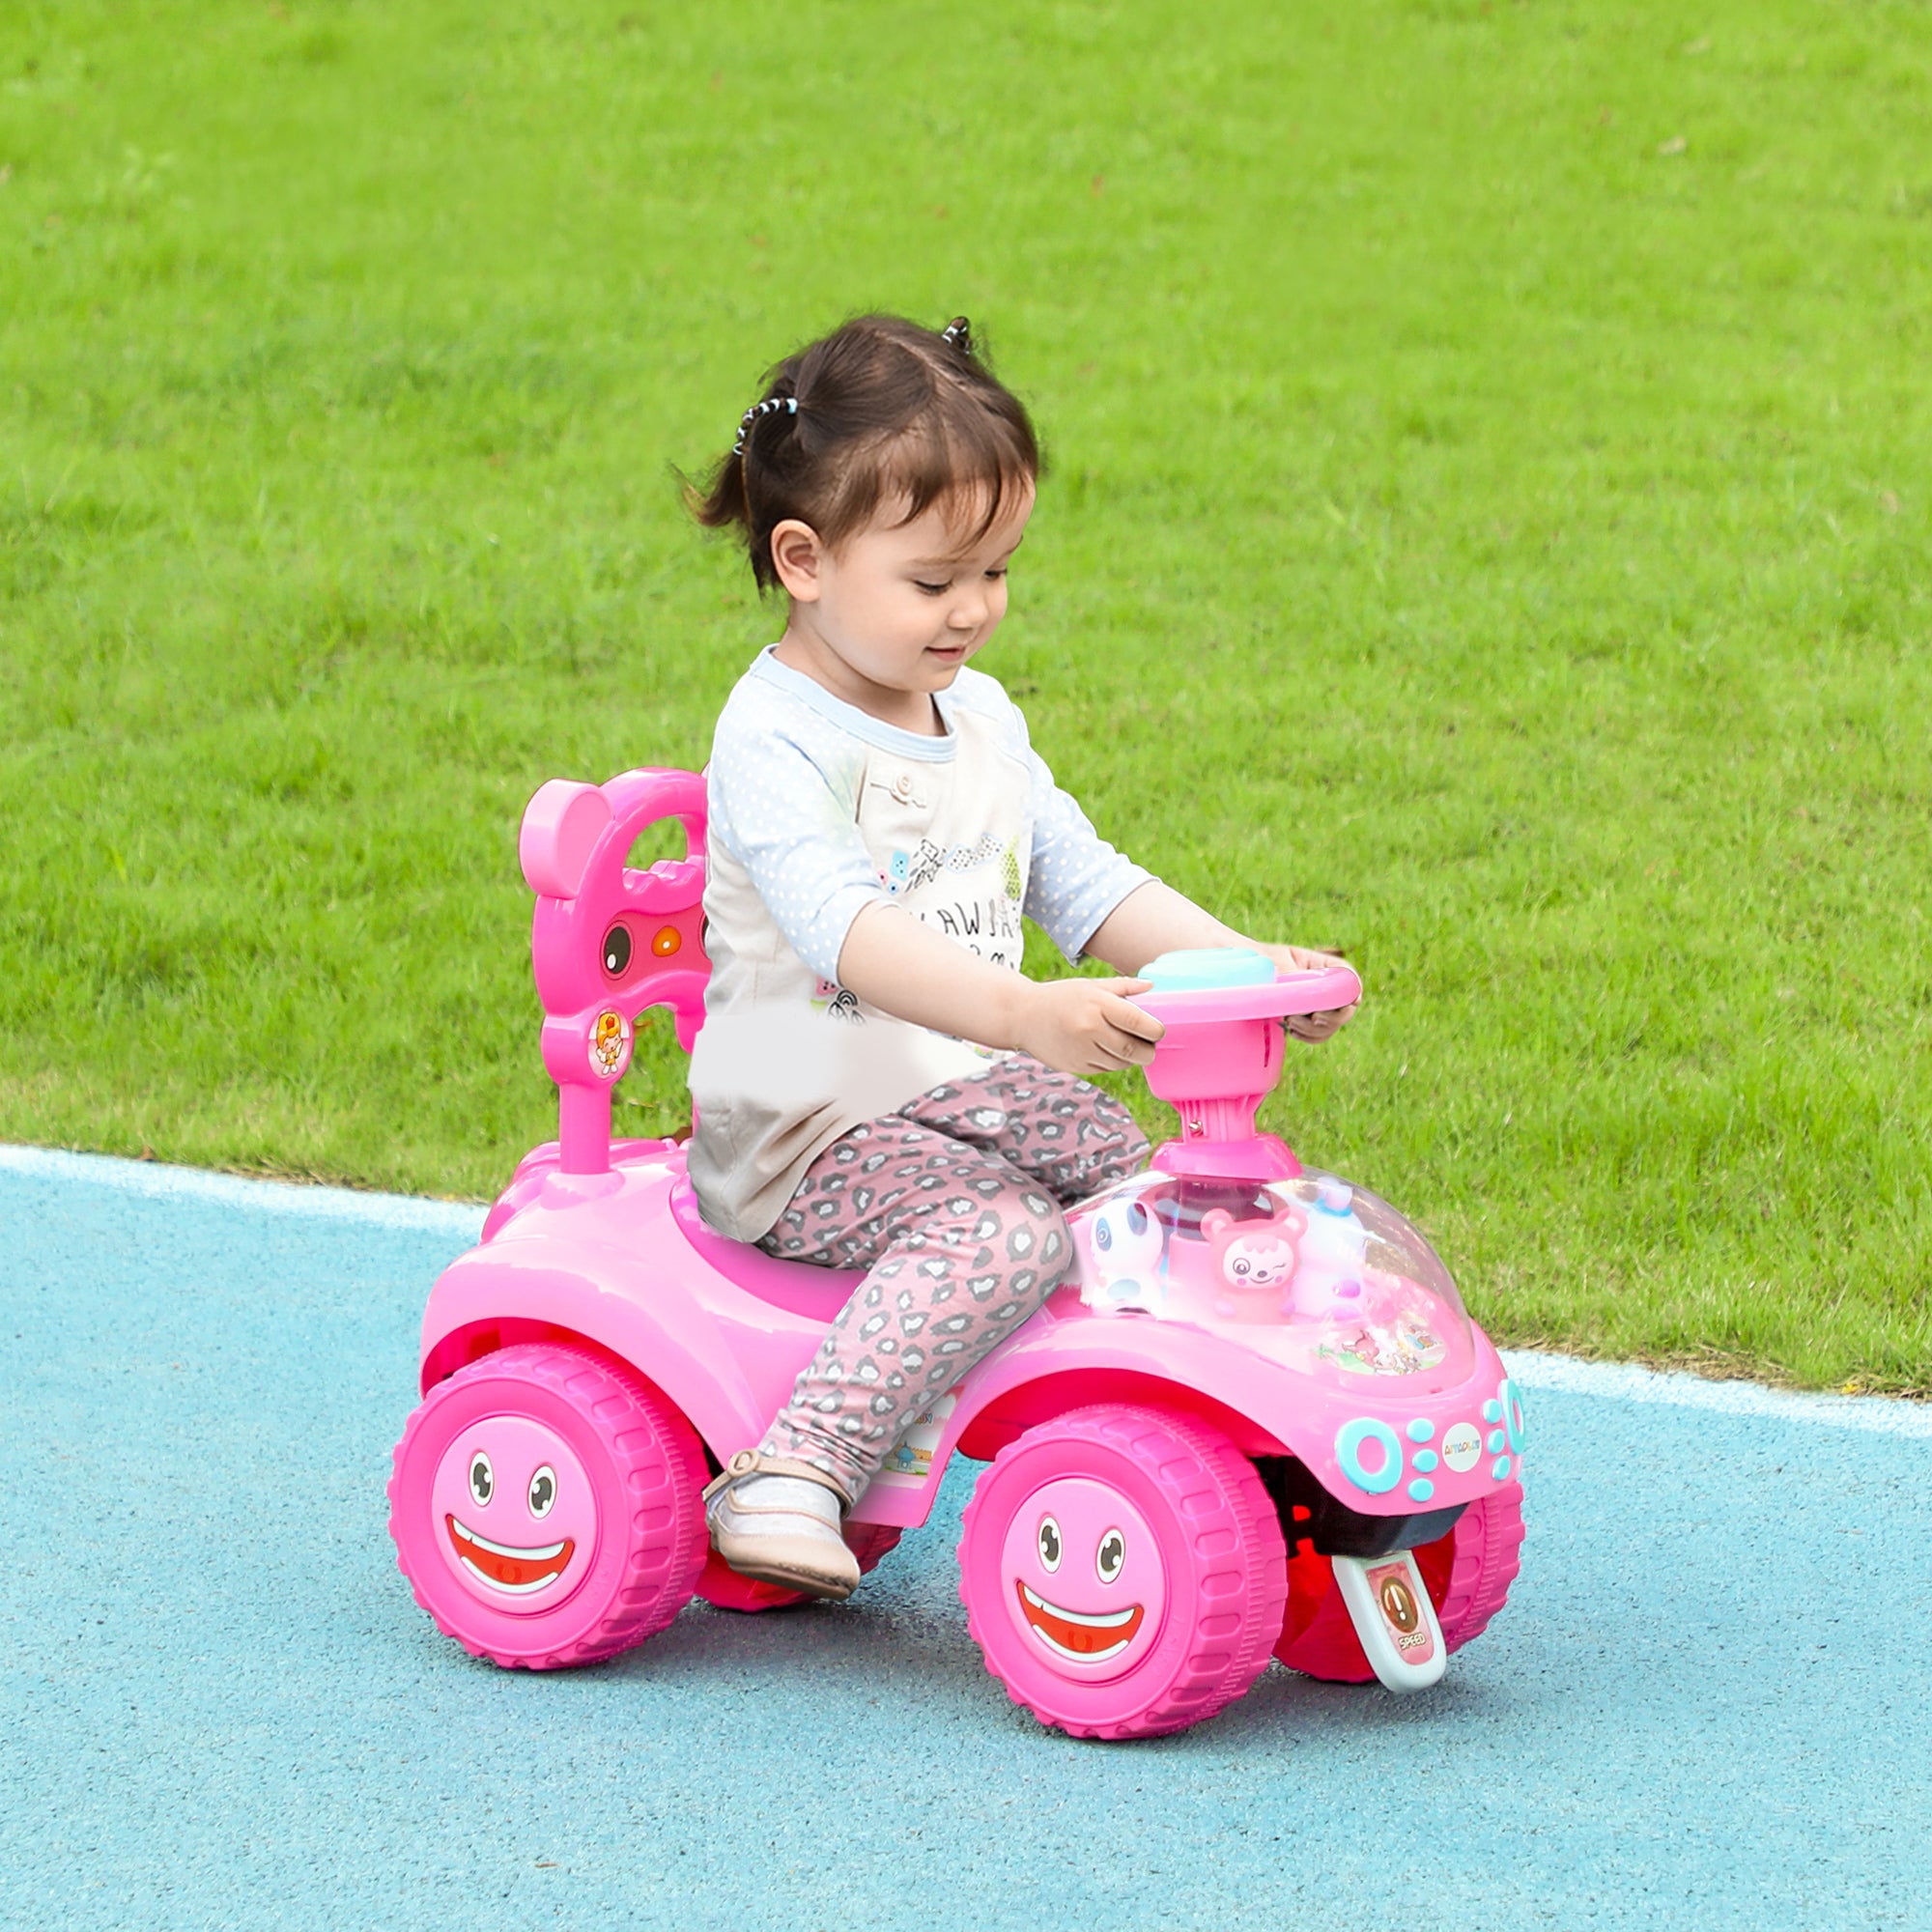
(1255, 1420)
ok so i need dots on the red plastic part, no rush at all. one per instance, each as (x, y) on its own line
(1225, 1570)
(645, 1469)
(1468, 1574)
(722, 1587)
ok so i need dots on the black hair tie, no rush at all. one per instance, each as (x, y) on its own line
(789, 403)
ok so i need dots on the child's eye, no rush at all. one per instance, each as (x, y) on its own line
(932, 589)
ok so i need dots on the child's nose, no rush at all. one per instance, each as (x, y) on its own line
(968, 610)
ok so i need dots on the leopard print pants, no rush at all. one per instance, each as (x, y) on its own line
(954, 1204)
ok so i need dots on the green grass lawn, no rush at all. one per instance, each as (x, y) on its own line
(1488, 530)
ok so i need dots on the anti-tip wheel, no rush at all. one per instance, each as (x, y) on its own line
(1468, 1574)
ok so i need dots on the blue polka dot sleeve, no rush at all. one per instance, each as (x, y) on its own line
(787, 808)
(1076, 878)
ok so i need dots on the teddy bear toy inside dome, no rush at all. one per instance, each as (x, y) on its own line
(1254, 1263)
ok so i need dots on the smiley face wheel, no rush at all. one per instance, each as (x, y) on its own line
(1122, 1571)
(544, 1507)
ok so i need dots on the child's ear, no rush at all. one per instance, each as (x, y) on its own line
(796, 556)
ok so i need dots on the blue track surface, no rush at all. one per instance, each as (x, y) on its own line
(1705, 1705)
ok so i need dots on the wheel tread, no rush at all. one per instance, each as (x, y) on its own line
(1485, 1567)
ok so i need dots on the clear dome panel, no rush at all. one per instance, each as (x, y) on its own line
(1324, 1275)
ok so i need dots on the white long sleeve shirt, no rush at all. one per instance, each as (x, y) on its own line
(817, 810)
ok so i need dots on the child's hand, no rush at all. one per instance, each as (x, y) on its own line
(1304, 959)
(1088, 1026)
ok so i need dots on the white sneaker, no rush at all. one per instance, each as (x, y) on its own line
(778, 1520)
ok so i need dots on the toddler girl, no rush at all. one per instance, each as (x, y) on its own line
(877, 1085)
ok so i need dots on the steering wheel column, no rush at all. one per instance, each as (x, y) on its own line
(1221, 1055)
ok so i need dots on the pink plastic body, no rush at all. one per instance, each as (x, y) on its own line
(610, 940)
(1283, 1312)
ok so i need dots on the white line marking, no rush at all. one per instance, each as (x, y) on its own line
(1624, 1381)
(156, 1181)
(1615, 1381)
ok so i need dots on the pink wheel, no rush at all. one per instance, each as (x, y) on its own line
(722, 1587)
(1122, 1571)
(544, 1507)
(1468, 1572)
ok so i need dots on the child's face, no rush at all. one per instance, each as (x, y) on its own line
(890, 616)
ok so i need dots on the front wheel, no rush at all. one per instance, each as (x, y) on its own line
(1122, 1571)
(545, 1508)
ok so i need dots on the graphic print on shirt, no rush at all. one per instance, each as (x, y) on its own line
(986, 922)
(836, 1002)
(989, 926)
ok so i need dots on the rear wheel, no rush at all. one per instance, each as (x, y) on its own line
(544, 1507)
(1468, 1572)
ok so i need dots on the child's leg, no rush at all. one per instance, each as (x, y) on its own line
(1072, 1138)
(962, 1248)
(944, 1202)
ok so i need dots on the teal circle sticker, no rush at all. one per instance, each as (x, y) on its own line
(1349, 1441)
(1511, 1399)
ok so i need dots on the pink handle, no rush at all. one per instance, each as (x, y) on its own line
(608, 939)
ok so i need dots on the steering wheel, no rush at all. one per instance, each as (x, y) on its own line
(1221, 984)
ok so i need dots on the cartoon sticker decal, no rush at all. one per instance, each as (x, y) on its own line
(609, 1044)
(515, 1508)
(1394, 1585)
(1089, 1586)
(912, 1454)
(1389, 1333)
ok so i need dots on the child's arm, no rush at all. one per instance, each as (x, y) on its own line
(904, 968)
(1071, 863)
(1154, 919)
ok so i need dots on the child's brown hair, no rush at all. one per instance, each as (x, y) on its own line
(879, 413)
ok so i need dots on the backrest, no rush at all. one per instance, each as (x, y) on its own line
(609, 940)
